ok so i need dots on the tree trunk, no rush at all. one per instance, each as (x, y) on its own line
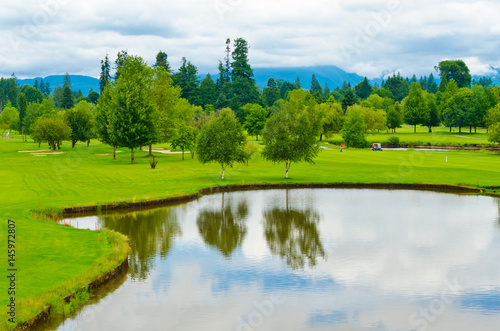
(73, 142)
(286, 169)
(192, 154)
(114, 152)
(475, 129)
(39, 143)
(470, 129)
(257, 137)
(150, 150)
(183, 154)
(222, 172)
(132, 155)
(321, 137)
(88, 143)
(414, 129)
(450, 129)
(430, 129)
(459, 129)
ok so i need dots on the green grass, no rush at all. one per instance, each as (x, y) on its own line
(440, 136)
(53, 261)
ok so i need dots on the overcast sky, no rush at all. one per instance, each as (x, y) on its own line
(369, 37)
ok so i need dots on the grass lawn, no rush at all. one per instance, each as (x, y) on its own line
(49, 256)
(440, 136)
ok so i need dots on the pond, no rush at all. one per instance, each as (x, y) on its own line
(306, 259)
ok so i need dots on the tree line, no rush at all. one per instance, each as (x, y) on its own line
(142, 105)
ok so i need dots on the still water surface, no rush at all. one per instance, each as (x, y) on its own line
(322, 259)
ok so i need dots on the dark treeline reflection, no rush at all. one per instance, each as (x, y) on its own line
(223, 229)
(293, 235)
(151, 233)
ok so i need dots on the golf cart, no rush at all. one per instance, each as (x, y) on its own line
(376, 147)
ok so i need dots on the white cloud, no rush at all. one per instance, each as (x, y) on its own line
(55, 36)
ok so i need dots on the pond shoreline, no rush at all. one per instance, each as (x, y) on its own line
(98, 209)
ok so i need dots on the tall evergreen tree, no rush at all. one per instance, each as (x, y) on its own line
(363, 89)
(187, 79)
(105, 76)
(271, 92)
(240, 66)
(162, 61)
(66, 81)
(296, 85)
(316, 89)
(432, 86)
(207, 92)
(67, 100)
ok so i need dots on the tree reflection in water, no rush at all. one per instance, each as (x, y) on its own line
(223, 229)
(151, 233)
(293, 235)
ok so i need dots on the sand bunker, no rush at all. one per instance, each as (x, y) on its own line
(35, 151)
(51, 153)
(166, 151)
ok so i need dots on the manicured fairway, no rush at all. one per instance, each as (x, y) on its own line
(48, 255)
(440, 136)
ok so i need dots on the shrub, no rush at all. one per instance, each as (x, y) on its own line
(393, 141)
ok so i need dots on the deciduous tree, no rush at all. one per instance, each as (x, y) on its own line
(222, 141)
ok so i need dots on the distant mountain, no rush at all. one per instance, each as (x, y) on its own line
(83, 83)
(331, 75)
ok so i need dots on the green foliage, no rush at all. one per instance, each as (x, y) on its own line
(81, 122)
(290, 135)
(162, 61)
(494, 133)
(207, 92)
(363, 89)
(187, 79)
(133, 122)
(398, 86)
(184, 137)
(316, 90)
(10, 116)
(271, 92)
(348, 99)
(23, 108)
(105, 76)
(32, 94)
(456, 70)
(240, 66)
(394, 118)
(393, 141)
(166, 97)
(222, 141)
(121, 58)
(415, 109)
(67, 100)
(332, 117)
(255, 120)
(52, 130)
(460, 108)
(375, 119)
(93, 96)
(353, 131)
(35, 111)
(433, 119)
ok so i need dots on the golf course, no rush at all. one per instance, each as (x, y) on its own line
(53, 260)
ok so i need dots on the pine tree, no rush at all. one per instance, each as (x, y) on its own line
(105, 73)
(316, 89)
(66, 81)
(67, 100)
(121, 57)
(162, 61)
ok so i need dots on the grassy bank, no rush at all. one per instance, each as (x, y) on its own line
(50, 258)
